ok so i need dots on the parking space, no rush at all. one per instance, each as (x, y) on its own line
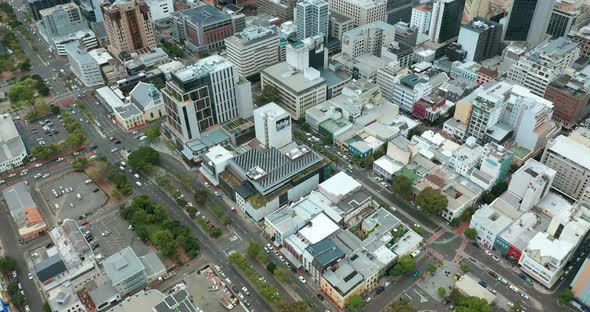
(68, 196)
(46, 131)
(111, 233)
(211, 293)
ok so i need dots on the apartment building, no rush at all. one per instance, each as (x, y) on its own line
(582, 37)
(543, 64)
(253, 49)
(421, 16)
(273, 125)
(409, 90)
(129, 26)
(563, 19)
(361, 11)
(12, 149)
(282, 9)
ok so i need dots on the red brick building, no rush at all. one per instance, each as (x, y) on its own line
(485, 74)
(571, 100)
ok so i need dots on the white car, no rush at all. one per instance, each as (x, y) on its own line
(487, 252)
(30, 276)
(302, 279)
(495, 258)
(217, 268)
(525, 296)
(45, 175)
(38, 165)
(38, 175)
(114, 149)
(136, 176)
(138, 183)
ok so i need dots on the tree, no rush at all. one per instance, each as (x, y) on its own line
(269, 94)
(431, 201)
(298, 306)
(153, 132)
(432, 268)
(76, 138)
(565, 296)
(271, 266)
(406, 264)
(517, 307)
(469, 303)
(80, 163)
(471, 233)
(402, 186)
(355, 303)
(254, 250)
(7, 264)
(201, 196)
(281, 274)
(441, 291)
(401, 305)
(465, 268)
(143, 158)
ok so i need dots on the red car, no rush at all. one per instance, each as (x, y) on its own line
(113, 138)
(85, 222)
(233, 210)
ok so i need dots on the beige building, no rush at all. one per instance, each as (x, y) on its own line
(361, 11)
(473, 9)
(129, 26)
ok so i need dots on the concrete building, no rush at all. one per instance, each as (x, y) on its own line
(65, 298)
(35, 6)
(283, 9)
(214, 162)
(129, 26)
(568, 158)
(12, 149)
(24, 212)
(202, 28)
(62, 20)
(582, 37)
(339, 24)
(580, 285)
(409, 90)
(273, 125)
(475, 8)
(563, 19)
(128, 272)
(421, 17)
(299, 90)
(487, 110)
(528, 21)
(406, 34)
(253, 49)
(207, 93)
(160, 9)
(466, 157)
(494, 166)
(311, 17)
(531, 182)
(446, 20)
(543, 64)
(83, 65)
(570, 95)
(361, 11)
(480, 39)
(367, 39)
(127, 114)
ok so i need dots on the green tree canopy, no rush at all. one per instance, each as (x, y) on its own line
(431, 201)
(269, 94)
(153, 131)
(441, 291)
(566, 296)
(402, 186)
(401, 305)
(298, 306)
(355, 303)
(7, 264)
(471, 233)
(201, 196)
(143, 158)
(281, 274)
(406, 264)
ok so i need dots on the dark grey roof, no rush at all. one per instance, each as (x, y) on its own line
(49, 268)
(270, 166)
(179, 301)
(325, 252)
(205, 15)
(412, 80)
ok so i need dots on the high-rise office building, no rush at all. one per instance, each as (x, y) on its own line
(282, 9)
(311, 17)
(475, 8)
(37, 5)
(528, 20)
(367, 39)
(446, 20)
(361, 11)
(480, 39)
(563, 19)
(62, 20)
(129, 26)
(542, 65)
(421, 16)
(254, 49)
(204, 94)
(399, 11)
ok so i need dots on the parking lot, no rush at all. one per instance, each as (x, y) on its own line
(33, 133)
(112, 233)
(68, 205)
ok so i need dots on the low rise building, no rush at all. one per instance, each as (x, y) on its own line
(148, 99)
(12, 148)
(127, 114)
(128, 272)
(24, 211)
(83, 65)
(214, 162)
(570, 95)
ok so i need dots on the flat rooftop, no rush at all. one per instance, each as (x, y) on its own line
(204, 15)
(291, 79)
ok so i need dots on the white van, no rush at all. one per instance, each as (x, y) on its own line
(142, 138)
(79, 196)
(88, 181)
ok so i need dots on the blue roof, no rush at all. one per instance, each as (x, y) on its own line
(205, 15)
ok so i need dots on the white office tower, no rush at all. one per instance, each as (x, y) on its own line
(361, 11)
(253, 49)
(160, 9)
(83, 65)
(542, 65)
(307, 53)
(421, 16)
(367, 39)
(272, 125)
(312, 18)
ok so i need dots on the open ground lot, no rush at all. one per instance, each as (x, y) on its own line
(207, 289)
(68, 205)
(31, 139)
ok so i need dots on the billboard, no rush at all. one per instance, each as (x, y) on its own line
(283, 123)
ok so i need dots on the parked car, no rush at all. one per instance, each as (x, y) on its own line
(302, 279)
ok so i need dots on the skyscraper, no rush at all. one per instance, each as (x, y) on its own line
(480, 39)
(475, 8)
(62, 20)
(399, 10)
(129, 25)
(563, 19)
(528, 20)
(312, 18)
(446, 19)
